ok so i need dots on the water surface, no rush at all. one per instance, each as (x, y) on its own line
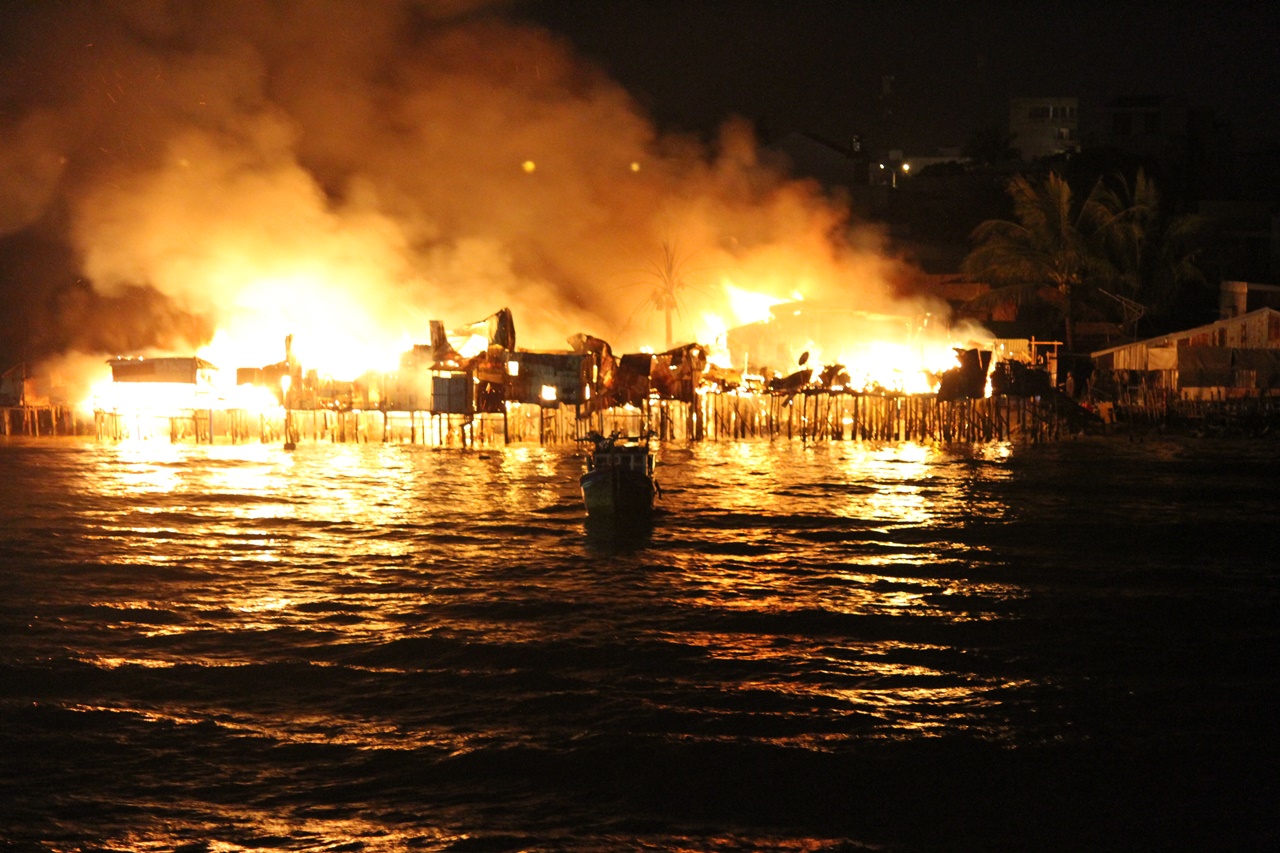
(817, 647)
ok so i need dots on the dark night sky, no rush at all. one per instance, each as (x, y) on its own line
(818, 66)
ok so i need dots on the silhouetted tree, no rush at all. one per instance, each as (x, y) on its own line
(1158, 255)
(1051, 251)
(1067, 251)
(670, 281)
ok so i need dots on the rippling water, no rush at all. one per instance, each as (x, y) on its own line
(830, 647)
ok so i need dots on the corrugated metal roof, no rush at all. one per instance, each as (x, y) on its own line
(1172, 337)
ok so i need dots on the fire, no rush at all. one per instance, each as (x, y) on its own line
(845, 349)
(333, 332)
(348, 321)
(161, 399)
(348, 207)
(332, 336)
(338, 324)
(749, 307)
(742, 306)
(898, 366)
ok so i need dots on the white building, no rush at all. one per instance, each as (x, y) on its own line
(1233, 357)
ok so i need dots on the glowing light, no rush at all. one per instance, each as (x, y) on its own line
(252, 398)
(473, 346)
(548, 393)
(334, 331)
(749, 307)
(529, 167)
(156, 398)
(714, 327)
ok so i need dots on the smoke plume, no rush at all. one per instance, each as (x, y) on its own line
(362, 168)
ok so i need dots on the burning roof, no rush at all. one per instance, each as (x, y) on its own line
(182, 370)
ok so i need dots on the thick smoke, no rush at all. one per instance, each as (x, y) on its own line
(207, 164)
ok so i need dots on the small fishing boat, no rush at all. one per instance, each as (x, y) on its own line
(618, 483)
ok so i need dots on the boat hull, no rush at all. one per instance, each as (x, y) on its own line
(616, 492)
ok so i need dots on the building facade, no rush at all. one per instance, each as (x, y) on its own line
(1236, 356)
(1044, 127)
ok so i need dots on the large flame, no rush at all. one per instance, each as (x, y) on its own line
(903, 353)
(332, 331)
(345, 173)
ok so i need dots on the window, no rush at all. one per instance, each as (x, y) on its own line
(1242, 377)
(1038, 112)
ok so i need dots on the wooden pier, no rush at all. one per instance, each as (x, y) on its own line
(819, 415)
(522, 424)
(811, 415)
(43, 421)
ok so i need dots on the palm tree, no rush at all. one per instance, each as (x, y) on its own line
(669, 276)
(1053, 250)
(1117, 242)
(1157, 254)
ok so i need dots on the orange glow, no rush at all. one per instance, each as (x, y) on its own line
(158, 398)
(334, 332)
(898, 366)
(878, 352)
(748, 307)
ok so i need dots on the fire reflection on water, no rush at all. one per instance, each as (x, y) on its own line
(351, 623)
(799, 557)
(854, 555)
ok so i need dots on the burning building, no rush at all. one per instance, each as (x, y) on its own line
(161, 384)
(873, 350)
(222, 180)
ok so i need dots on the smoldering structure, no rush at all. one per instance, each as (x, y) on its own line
(472, 386)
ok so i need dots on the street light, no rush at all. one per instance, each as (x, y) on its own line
(906, 168)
